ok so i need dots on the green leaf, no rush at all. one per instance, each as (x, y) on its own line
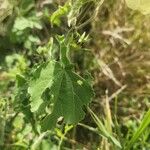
(64, 50)
(140, 5)
(22, 23)
(69, 93)
(21, 102)
(43, 79)
(61, 11)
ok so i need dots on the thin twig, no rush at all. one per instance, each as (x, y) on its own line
(92, 18)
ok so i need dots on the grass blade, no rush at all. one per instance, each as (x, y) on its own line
(144, 124)
(103, 129)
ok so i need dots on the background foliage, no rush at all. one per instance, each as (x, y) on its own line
(107, 44)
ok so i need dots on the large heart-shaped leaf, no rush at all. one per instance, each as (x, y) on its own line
(69, 93)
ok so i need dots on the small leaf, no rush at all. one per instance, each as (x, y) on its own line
(56, 16)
